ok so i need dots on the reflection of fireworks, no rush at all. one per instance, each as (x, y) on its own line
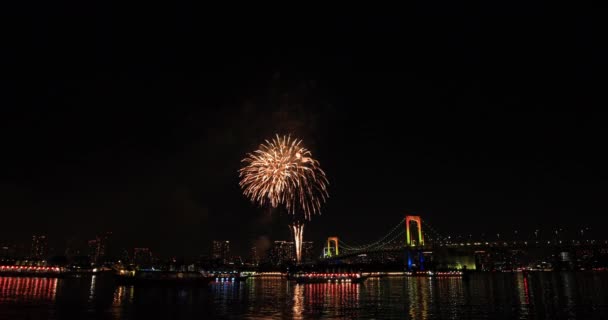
(283, 172)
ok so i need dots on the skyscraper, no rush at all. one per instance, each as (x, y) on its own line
(39, 246)
(102, 246)
(282, 253)
(98, 248)
(93, 249)
(254, 258)
(220, 251)
(289, 254)
(308, 254)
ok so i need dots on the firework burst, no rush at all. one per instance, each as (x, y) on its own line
(283, 172)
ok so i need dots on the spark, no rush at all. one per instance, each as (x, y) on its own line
(283, 172)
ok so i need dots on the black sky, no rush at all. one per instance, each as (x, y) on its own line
(479, 119)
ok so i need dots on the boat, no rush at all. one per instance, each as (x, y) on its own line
(228, 277)
(317, 277)
(33, 271)
(434, 274)
(386, 274)
(271, 274)
(161, 278)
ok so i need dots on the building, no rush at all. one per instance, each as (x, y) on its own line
(98, 248)
(103, 247)
(289, 252)
(308, 254)
(142, 257)
(220, 251)
(282, 253)
(254, 258)
(39, 247)
(92, 250)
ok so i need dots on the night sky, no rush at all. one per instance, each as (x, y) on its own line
(135, 121)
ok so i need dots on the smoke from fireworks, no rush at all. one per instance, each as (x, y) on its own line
(283, 172)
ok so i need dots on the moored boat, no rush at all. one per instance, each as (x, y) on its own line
(32, 271)
(445, 274)
(229, 277)
(317, 277)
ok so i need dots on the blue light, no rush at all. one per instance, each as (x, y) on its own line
(421, 261)
(409, 261)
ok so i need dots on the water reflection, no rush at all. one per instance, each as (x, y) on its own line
(496, 296)
(34, 290)
(92, 288)
(417, 297)
(338, 298)
(123, 295)
(298, 302)
(226, 294)
(430, 297)
(568, 292)
(521, 282)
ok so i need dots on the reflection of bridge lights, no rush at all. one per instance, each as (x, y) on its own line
(342, 296)
(27, 289)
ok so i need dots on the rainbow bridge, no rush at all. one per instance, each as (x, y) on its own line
(414, 244)
(407, 237)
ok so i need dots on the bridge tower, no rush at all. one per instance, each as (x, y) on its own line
(408, 238)
(335, 241)
(413, 251)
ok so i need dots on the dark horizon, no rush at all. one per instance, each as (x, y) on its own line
(138, 126)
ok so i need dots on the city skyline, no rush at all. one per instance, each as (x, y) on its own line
(148, 141)
(176, 161)
(97, 249)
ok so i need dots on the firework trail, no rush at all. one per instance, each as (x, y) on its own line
(298, 234)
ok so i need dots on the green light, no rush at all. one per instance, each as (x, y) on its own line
(335, 241)
(407, 230)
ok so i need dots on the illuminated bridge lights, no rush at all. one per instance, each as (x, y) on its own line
(408, 238)
(335, 241)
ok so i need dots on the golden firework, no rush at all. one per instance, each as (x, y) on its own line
(283, 172)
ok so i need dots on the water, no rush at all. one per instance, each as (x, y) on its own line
(495, 296)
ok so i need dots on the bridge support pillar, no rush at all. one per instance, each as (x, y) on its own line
(329, 248)
(414, 258)
(408, 237)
